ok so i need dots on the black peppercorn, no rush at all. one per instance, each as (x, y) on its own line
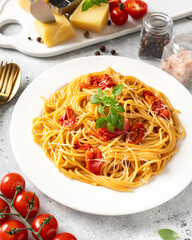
(97, 53)
(86, 34)
(113, 52)
(38, 39)
(102, 48)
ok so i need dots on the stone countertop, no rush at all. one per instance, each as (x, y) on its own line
(174, 214)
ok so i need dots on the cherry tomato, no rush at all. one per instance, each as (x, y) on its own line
(49, 230)
(65, 236)
(4, 205)
(9, 182)
(118, 15)
(68, 119)
(21, 204)
(136, 133)
(113, 4)
(12, 224)
(135, 8)
(156, 104)
(93, 159)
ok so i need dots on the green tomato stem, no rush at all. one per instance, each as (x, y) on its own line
(28, 226)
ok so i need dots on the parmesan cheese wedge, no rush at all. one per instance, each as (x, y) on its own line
(56, 32)
(94, 19)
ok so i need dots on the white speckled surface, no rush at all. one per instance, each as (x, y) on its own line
(175, 214)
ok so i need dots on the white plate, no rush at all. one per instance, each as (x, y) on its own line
(10, 12)
(84, 197)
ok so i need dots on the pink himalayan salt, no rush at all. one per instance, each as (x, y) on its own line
(179, 65)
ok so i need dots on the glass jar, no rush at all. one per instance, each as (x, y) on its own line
(156, 32)
(177, 58)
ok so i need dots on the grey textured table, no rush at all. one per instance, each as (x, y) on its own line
(175, 214)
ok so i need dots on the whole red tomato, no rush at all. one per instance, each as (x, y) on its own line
(12, 224)
(49, 230)
(135, 8)
(9, 182)
(4, 205)
(65, 236)
(113, 4)
(118, 15)
(21, 204)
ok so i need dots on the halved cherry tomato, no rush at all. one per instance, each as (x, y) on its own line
(65, 236)
(106, 135)
(135, 8)
(9, 182)
(113, 4)
(21, 204)
(83, 146)
(49, 230)
(93, 159)
(4, 205)
(136, 133)
(12, 224)
(68, 119)
(98, 81)
(156, 104)
(118, 15)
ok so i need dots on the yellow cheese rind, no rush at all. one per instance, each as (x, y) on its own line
(94, 19)
(55, 33)
(25, 4)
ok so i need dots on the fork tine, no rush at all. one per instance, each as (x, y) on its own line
(2, 72)
(13, 78)
(7, 77)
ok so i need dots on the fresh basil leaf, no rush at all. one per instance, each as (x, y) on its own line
(100, 123)
(113, 111)
(110, 127)
(120, 122)
(95, 99)
(104, 98)
(120, 108)
(117, 90)
(85, 6)
(168, 234)
(90, 3)
(104, 1)
(96, 2)
(101, 109)
(112, 119)
(99, 92)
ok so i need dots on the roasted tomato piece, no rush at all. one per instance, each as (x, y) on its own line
(83, 146)
(68, 119)
(135, 8)
(107, 135)
(93, 159)
(156, 104)
(98, 81)
(136, 133)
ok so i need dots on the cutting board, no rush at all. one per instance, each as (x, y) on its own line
(10, 12)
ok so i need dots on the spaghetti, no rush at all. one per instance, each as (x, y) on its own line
(119, 160)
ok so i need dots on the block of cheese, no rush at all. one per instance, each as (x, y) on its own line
(56, 32)
(94, 19)
(25, 4)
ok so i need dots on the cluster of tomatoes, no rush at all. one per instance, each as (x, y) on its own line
(119, 11)
(26, 206)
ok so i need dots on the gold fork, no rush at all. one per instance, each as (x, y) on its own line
(8, 77)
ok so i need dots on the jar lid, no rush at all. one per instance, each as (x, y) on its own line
(158, 22)
(182, 42)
